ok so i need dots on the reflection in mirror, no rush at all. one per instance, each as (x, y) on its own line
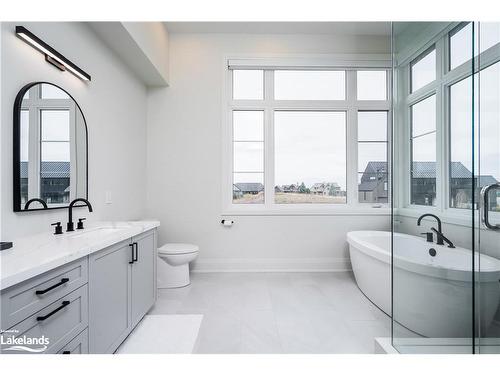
(50, 143)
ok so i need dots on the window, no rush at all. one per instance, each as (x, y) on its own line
(372, 157)
(461, 170)
(290, 139)
(460, 165)
(55, 152)
(309, 85)
(24, 140)
(423, 70)
(248, 157)
(372, 85)
(460, 45)
(489, 35)
(25, 129)
(248, 84)
(442, 112)
(423, 152)
(310, 157)
(52, 92)
(47, 119)
(489, 108)
(461, 41)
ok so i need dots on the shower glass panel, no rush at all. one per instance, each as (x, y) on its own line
(487, 233)
(435, 188)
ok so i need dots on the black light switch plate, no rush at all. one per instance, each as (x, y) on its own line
(5, 245)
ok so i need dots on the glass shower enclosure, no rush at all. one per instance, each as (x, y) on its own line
(446, 187)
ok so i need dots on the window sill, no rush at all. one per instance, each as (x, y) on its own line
(308, 211)
(450, 216)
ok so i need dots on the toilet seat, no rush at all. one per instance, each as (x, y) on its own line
(177, 249)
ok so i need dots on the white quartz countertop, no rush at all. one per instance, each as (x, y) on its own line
(31, 256)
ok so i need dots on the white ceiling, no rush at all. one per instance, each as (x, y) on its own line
(337, 28)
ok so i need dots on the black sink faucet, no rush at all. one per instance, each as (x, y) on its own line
(70, 225)
(41, 201)
(439, 232)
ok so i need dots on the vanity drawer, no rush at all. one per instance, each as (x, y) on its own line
(59, 322)
(79, 345)
(25, 299)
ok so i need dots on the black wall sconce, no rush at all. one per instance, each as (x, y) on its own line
(51, 55)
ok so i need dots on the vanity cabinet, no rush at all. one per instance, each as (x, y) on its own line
(59, 322)
(88, 305)
(109, 289)
(79, 345)
(25, 299)
(143, 285)
(122, 288)
(53, 305)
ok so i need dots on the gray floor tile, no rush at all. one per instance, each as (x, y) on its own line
(278, 313)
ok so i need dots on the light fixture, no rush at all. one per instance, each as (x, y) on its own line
(51, 55)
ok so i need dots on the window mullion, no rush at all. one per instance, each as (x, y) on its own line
(269, 139)
(227, 136)
(351, 140)
(441, 157)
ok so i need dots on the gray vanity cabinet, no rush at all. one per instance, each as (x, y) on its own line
(122, 288)
(109, 296)
(143, 276)
(89, 305)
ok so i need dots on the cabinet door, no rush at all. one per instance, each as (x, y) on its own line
(109, 295)
(143, 275)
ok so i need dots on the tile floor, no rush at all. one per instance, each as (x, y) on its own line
(278, 313)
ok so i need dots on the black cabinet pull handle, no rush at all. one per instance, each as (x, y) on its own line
(136, 252)
(62, 282)
(66, 352)
(132, 247)
(63, 305)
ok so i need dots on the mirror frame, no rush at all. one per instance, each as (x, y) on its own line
(16, 148)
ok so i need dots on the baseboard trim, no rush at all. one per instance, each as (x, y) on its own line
(272, 265)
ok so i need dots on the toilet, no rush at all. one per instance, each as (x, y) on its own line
(173, 267)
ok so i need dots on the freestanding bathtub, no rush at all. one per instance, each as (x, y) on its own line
(432, 294)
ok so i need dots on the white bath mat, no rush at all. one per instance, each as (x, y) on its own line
(163, 334)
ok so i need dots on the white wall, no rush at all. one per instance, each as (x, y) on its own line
(185, 160)
(114, 104)
(152, 37)
(142, 46)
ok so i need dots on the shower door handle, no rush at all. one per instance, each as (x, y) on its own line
(485, 203)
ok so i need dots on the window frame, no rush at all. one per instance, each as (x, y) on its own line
(411, 138)
(348, 63)
(387, 156)
(416, 60)
(441, 86)
(35, 105)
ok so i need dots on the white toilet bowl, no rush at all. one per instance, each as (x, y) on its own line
(173, 269)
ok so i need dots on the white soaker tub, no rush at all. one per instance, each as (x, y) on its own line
(432, 295)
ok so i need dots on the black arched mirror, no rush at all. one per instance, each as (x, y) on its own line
(50, 148)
